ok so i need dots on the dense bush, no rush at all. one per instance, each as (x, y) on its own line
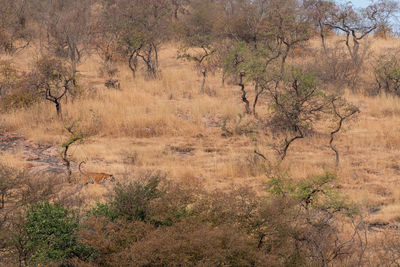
(387, 75)
(154, 223)
(50, 234)
(151, 199)
(16, 89)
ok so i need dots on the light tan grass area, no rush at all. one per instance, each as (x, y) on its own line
(13, 160)
(168, 125)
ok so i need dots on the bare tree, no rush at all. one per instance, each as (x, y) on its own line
(67, 28)
(15, 33)
(357, 24)
(142, 28)
(178, 7)
(319, 11)
(203, 62)
(291, 26)
(105, 39)
(342, 111)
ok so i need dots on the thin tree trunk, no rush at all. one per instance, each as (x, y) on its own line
(258, 93)
(67, 163)
(132, 62)
(322, 37)
(203, 82)
(244, 98)
(342, 118)
(334, 149)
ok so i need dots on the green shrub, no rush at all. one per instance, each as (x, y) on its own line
(131, 201)
(51, 234)
(150, 199)
(103, 210)
(387, 75)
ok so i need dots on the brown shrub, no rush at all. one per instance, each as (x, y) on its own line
(194, 245)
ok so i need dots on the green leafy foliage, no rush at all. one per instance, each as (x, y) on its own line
(299, 103)
(136, 201)
(387, 74)
(72, 139)
(103, 210)
(131, 201)
(258, 64)
(316, 192)
(51, 233)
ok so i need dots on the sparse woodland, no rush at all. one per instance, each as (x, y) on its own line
(239, 133)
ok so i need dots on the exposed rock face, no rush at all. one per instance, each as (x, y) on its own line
(40, 158)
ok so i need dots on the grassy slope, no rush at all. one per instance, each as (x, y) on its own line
(168, 125)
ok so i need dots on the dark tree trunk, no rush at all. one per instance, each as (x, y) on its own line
(258, 93)
(58, 108)
(2, 200)
(290, 141)
(244, 98)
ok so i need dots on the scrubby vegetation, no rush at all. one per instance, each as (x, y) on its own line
(240, 133)
(154, 221)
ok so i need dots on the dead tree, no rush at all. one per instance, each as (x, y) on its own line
(347, 112)
(143, 27)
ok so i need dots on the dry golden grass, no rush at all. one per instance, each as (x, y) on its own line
(13, 160)
(168, 125)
